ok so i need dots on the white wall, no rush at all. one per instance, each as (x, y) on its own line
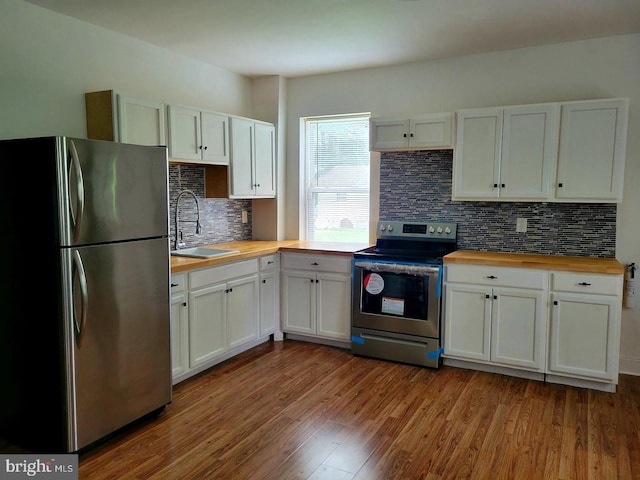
(48, 61)
(598, 68)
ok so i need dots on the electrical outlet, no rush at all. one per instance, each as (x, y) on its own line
(521, 225)
(245, 216)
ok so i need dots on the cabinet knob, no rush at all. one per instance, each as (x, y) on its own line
(492, 277)
(404, 135)
(311, 280)
(495, 297)
(502, 185)
(411, 135)
(495, 185)
(487, 296)
(315, 264)
(560, 185)
(184, 304)
(205, 147)
(264, 281)
(555, 302)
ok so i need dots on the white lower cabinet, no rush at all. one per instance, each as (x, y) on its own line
(207, 324)
(489, 322)
(562, 327)
(179, 326)
(316, 295)
(216, 317)
(584, 337)
(269, 294)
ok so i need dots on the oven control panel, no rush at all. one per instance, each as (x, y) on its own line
(435, 230)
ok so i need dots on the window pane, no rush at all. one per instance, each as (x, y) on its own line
(337, 172)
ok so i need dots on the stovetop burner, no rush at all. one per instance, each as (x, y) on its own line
(412, 242)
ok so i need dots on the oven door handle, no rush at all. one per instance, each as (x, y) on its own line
(411, 269)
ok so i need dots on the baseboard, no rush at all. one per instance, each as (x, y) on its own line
(314, 339)
(629, 366)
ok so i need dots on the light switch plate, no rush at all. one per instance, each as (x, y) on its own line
(521, 225)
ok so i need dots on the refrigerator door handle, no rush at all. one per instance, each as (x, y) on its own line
(74, 166)
(78, 269)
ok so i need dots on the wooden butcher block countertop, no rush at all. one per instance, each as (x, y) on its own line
(256, 248)
(525, 260)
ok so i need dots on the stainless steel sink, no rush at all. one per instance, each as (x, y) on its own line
(202, 252)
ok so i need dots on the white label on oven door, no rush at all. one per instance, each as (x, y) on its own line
(394, 306)
(373, 283)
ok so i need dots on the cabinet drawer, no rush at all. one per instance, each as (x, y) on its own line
(177, 282)
(586, 283)
(222, 273)
(496, 276)
(324, 263)
(268, 262)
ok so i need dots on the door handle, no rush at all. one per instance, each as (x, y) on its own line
(78, 269)
(78, 214)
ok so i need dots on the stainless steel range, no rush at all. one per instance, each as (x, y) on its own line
(396, 292)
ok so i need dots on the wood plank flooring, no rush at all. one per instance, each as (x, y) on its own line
(296, 410)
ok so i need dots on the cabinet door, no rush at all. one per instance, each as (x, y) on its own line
(333, 292)
(467, 322)
(241, 175)
(207, 324)
(185, 140)
(179, 334)
(242, 310)
(388, 134)
(264, 164)
(476, 168)
(529, 148)
(517, 323)
(215, 138)
(140, 122)
(433, 131)
(269, 304)
(584, 337)
(593, 137)
(298, 302)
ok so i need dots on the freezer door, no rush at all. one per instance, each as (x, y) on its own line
(111, 191)
(118, 336)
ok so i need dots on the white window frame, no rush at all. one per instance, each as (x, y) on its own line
(304, 191)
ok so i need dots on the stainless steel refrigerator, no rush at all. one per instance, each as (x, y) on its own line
(84, 318)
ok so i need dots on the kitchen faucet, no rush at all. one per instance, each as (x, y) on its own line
(178, 240)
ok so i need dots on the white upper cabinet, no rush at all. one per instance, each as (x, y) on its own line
(505, 153)
(558, 152)
(252, 173)
(593, 138)
(419, 133)
(198, 136)
(119, 117)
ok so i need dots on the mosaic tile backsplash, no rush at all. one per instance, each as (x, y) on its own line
(416, 186)
(221, 218)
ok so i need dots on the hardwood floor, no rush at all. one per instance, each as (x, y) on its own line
(296, 410)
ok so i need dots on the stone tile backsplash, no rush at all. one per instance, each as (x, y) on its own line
(416, 186)
(221, 218)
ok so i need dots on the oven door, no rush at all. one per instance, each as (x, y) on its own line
(396, 297)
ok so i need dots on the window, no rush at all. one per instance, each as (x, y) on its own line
(336, 172)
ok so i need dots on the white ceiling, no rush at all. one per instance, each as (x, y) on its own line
(304, 37)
